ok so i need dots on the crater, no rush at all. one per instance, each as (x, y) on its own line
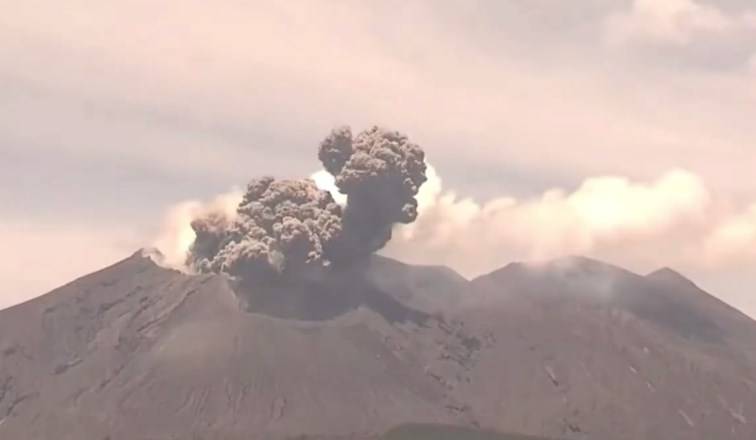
(332, 293)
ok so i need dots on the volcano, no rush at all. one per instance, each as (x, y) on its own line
(574, 348)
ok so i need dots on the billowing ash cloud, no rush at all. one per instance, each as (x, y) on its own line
(381, 173)
(284, 227)
(279, 226)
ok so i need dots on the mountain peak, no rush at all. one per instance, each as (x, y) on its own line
(579, 263)
(569, 266)
(669, 275)
(372, 347)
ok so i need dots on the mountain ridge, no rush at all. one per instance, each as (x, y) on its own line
(137, 351)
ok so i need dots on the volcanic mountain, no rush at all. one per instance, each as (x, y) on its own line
(574, 348)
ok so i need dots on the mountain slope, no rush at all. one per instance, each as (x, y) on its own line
(428, 288)
(599, 352)
(137, 351)
(734, 323)
(570, 349)
(433, 432)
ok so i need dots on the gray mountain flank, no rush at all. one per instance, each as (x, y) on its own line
(573, 349)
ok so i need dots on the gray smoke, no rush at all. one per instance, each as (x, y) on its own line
(280, 226)
(290, 227)
(380, 172)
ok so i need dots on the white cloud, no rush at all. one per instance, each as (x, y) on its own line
(666, 21)
(685, 33)
(325, 181)
(674, 220)
(601, 213)
(671, 21)
(133, 81)
(734, 239)
(176, 234)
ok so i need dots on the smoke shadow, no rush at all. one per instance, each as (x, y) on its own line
(327, 295)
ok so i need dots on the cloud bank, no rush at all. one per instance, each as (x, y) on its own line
(674, 220)
(603, 211)
(686, 30)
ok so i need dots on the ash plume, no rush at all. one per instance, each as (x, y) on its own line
(381, 173)
(283, 228)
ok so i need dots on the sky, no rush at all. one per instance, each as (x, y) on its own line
(617, 129)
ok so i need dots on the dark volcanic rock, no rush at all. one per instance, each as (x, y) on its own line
(140, 352)
(571, 349)
(588, 350)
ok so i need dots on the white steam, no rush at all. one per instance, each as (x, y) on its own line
(176, 234)
(673, 220)
(325, 181)
(734, 239)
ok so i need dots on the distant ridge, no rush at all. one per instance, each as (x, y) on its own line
(666, 274)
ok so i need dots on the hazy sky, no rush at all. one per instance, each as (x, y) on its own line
(113, 112)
